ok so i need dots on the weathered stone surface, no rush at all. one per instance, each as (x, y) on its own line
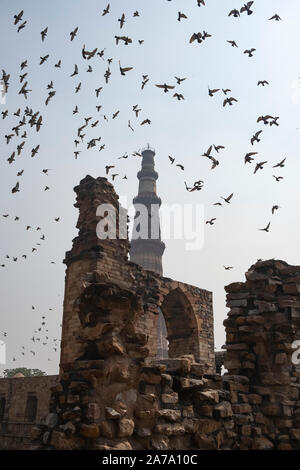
(126, 427)
(295, 434)
(143, 432)
(211, 396)
(60, 441)
(36, 432)
(272, 409)
(160, 443)
(91, 431)
(205, 442)
(111, 345)
(169, 398)
(170, 429)
(93, 411)
(242, 408)
(114, 393)
(170, 415)
(111, 413)
(208, 426)
(237, 303)
(198, 370)
(108, 429)
(223, 410)
(262, 443)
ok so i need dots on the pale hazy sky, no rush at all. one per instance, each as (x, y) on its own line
(182, 129)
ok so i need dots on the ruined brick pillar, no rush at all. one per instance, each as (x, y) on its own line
(89, 255)
(262, 325)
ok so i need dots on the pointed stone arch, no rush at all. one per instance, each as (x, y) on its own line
(182, 325)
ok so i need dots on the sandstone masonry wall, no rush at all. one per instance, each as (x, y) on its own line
(14, 429)
(113, 394)
(127, 400)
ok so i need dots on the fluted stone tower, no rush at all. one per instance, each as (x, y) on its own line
(146, 245)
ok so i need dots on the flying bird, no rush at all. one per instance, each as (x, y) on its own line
(73, 34)
(275, 17)
(22, 26)
(266, 229)
(129, 125)
(218, 147)
(212, 92)
(122, 21)
(199, 37)
(215, 163)
(207, 153)
(75, 71)
(275, 208)
(165, 87)
(181, 15)
(249, 52)
(50, 95)
(234, 13)
(88, 54)
(44, 33)
(106, 10)
(255, 137)
(227, 199)
(178, 96)
(229, 101)
(280, 164)
(179, 80)
(211, 221)
(146, 121)
(34, 151)
(247, 8)
(43, 59)
(108, 168)
(262, 82)
(16, 189)
(259, 166)
(123, 70)
(24, 91)
(233, 43)
(248, 157)
(18, 17)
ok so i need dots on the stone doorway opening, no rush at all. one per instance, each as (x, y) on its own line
(177, 327)
(162, 337)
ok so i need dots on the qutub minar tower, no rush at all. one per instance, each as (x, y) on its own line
(148, 251)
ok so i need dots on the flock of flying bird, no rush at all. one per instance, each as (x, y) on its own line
(40, 337)
(30, 120)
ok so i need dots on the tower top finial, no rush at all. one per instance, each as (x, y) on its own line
(148, 148)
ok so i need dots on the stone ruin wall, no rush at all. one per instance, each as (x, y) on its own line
(113, 394)
(126, 401)
(92, 260)
(15, 428)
